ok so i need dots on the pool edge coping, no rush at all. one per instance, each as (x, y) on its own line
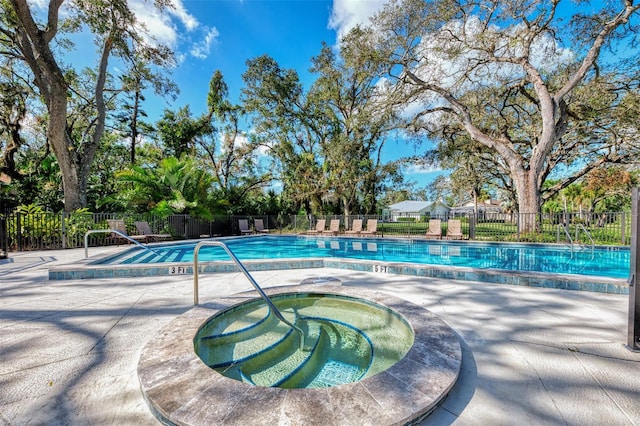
(86, 270)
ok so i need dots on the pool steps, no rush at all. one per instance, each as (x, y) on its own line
(241, 347)
(265, 353)
(292, 368)
(255, 348)
(235, 327)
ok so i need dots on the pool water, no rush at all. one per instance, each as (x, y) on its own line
(611, 262)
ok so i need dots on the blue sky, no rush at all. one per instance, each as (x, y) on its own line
(209, 35)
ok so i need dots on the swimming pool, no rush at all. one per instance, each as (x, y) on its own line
(607, 262)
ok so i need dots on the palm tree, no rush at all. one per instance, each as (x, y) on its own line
(175, 186)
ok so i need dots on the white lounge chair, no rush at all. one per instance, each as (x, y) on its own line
(320, 224)
(454, 229)
(356, 227)
(122, 234)
(435, 229)
(372, 227)
(259, 225)
(334, 227)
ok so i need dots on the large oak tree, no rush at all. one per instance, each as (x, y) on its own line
(115, 32)
(529, 83)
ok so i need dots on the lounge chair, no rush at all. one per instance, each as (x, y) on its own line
(259, 225)
(356, 227)
(435, 229)
(122, 234)
(243, 224)
(320, 224)
(454, 230)
(372, 227)
(334, 227)
(145, 229)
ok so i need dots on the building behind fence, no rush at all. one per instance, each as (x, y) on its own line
(22, 231)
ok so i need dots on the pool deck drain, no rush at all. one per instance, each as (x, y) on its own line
(180, 389)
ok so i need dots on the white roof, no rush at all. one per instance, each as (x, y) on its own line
(410, 206)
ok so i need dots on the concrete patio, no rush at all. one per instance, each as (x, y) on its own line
(69, 350)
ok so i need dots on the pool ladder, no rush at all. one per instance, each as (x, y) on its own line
(579, 227)
(244, 270)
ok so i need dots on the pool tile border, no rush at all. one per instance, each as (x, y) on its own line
(496, 276)
(86, 270)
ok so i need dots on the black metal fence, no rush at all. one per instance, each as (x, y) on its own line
(4, 236)
(23, 231)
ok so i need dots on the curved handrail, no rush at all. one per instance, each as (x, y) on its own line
(566, 231)
(244, 270)
(104, 231)
(588, 234)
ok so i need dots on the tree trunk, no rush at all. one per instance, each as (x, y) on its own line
(74, 194)
(475, 204)
(134, 121)
(528, 194)
(346, 206)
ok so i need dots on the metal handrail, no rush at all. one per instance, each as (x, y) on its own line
(104, 231)
(244, 270)
(566, 232)
(581, 226)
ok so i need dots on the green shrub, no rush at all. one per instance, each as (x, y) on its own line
(77, 224)
(406, 219)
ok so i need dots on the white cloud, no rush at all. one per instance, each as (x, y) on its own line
(158, 26)
(240, 140)
(162, 26)
(421, 169)
(202, 48)
(346, 14)
(176, 28)
(181, 13)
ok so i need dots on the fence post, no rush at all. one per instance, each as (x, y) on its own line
(633, 335)
(63, 230)
(19, 231)
(623, 229)
(4, 233)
